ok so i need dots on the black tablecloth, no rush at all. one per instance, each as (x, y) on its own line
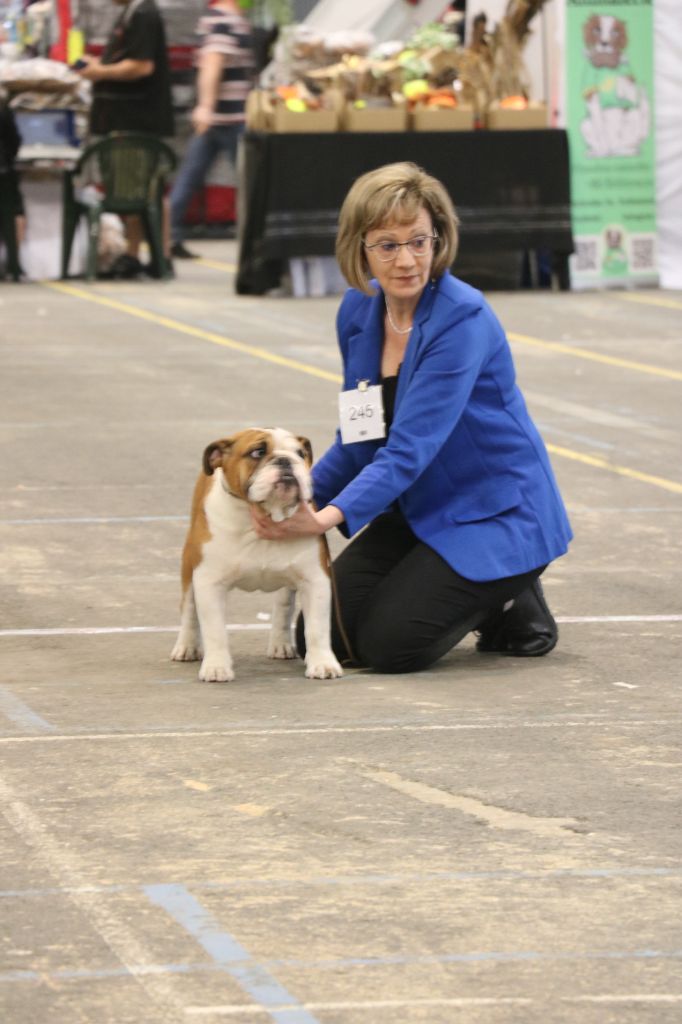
(511, 191)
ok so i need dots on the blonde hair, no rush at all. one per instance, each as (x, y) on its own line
(393, 194)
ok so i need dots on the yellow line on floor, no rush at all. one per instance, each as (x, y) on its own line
(216, 264)
(596, 357)
(649, 300)
(314, 371)
(195, 332)
(634, 474)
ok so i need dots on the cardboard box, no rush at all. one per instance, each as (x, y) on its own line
(535, 115)
(314, 121)
(433, 119)
(265, 113)
(375, 119)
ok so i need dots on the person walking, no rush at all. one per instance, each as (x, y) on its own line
(437, 472)
(226, 73)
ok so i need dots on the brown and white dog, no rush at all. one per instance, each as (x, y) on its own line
(272, 468)
(617, 110)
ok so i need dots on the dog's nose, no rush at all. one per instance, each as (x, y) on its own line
(282, 462)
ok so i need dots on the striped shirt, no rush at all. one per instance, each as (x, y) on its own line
(229, 35)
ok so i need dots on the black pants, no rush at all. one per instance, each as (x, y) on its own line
(402, 605)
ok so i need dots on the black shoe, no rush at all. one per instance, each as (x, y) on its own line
(179, 252)
(126, 268)
(526, 630)
(166, 273)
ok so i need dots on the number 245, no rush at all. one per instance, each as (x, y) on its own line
(361, 412)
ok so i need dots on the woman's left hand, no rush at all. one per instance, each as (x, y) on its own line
(305, 522)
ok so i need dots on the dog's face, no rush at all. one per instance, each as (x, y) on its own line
(605, 38)
(267, 466)
(614, 238)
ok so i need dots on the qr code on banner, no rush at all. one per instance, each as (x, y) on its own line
(586, 254)
(642, 252)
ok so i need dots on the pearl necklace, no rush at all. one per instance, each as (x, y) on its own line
(398, 330)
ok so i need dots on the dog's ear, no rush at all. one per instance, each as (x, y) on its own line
(589, 28)
(307, 448)
(213, 456)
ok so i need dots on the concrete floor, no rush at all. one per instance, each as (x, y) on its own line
(489, 841)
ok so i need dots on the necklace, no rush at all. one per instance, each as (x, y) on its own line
(398, 330)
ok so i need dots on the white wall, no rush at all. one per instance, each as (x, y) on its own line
(668, 106)
(386, 19)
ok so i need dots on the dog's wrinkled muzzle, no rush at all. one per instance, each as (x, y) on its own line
(278, 488)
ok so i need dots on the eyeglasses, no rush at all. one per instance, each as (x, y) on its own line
(420, 246)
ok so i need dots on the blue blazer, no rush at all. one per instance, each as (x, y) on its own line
(463, 459)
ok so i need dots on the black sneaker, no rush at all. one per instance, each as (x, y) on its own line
(167, 270)
(126, 268)
(179, 252)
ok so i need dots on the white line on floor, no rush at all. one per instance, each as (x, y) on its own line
(643, 997)
(492, 815)
(322, 730)
(65, 866)
(245, 626)
(600, 416)
(231, 1009)
(80, 520)
(106, 630)
(619, 618)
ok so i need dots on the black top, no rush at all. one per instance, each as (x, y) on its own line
(145, 104)
(389, 388)
(10, 140)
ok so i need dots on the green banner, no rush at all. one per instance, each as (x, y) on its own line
(610, 122)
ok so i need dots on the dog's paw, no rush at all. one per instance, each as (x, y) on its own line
(281, 649)
(186, 652)
(216, 670)
(324, 666)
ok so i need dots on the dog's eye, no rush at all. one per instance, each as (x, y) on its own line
(300, 453)
(257, 453)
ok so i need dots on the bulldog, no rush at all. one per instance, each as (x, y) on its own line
(222, 552)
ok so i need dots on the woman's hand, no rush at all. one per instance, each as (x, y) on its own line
(305, 522)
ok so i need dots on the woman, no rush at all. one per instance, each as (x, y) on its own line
(461, 506)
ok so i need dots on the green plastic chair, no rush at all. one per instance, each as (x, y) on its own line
(8, 233)
(129, 170)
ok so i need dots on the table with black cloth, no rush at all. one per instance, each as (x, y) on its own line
(511, 190)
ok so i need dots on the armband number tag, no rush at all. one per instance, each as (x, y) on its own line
(361, 414)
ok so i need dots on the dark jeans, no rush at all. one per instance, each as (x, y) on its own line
(201, 153)
(402, 605)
